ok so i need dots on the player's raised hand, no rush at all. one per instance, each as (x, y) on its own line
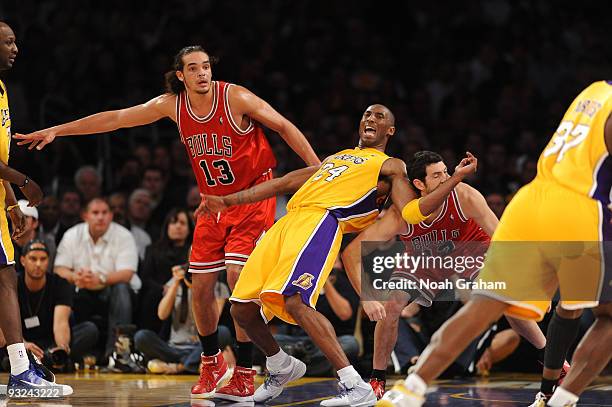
(466, 166)
(374, 310)
(38, 139)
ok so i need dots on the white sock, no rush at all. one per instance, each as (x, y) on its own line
(18, 358)
(562, 397)
(349, 376)
(277, 362)
(415, 384)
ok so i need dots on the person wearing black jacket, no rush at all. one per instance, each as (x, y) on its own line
(170, 250)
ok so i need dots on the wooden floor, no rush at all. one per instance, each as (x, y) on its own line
(103, 389)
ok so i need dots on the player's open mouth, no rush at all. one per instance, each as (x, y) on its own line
(369, 130)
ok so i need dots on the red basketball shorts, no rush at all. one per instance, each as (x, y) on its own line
(231, 237)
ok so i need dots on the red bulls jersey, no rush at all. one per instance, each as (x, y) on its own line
(224, 157)
(451, 224)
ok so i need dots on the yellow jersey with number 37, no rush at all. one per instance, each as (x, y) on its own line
(346, 186)
(576, 157)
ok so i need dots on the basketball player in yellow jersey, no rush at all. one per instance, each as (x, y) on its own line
(285, 273)
(24, 376)
(566, 202)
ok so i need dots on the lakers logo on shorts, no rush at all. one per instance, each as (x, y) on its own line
(304, 281)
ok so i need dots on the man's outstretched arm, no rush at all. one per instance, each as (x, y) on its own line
(287, 184)
(149, 112)
(403, 196)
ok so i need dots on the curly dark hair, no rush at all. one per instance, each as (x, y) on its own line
(417, 165)
(173, 84)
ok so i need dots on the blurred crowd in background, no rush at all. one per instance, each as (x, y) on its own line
(489, 77)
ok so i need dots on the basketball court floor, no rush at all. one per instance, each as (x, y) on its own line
(102, 389)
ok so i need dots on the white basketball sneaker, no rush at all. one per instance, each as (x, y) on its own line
(360, 394)
(275, 382)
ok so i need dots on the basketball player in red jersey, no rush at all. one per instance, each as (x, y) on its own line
(220, 125)
(463, 223)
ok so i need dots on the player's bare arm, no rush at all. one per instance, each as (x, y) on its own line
(244, 102)
(28, 187)
(383, 230)
(146, 113)
(475, 207)
(287, 184)
(415, 211)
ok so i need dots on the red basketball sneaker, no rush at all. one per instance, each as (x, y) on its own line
(213, 370)
(379, 387)
(564, 371)
(240, 387)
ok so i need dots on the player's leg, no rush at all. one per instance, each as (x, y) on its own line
(10, 320)
(248, 224)
(319, 329)
(241, 385)
(456, 334)
(205, 310)
(23, 374)
(322, 333)
(562, 331)
(385, 333)
(245, 346)
(248, 316)
(213, 368)
(206, 260)
(385, 337)
(446, 344)
(591, 356)
(282, 368)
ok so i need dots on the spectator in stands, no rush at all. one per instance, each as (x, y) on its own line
(169, 251)
(193, 198)
(88, 182)
(70, 212)
(48, 218)
(99, 257)
(154, 180)
(128, 176)
(32, 232)
(143, 153)
(139, 209)
(118, 205)
(46, 302)
(182, 352)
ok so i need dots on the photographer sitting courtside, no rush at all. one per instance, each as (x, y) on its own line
(45, 302)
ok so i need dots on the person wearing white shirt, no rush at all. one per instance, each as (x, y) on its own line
(100, 258)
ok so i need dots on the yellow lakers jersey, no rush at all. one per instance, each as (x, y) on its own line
(5, 128)
(5, 133)
(576, 156)
(346, 186)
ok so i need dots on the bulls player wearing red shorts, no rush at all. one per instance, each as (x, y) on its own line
(220, 125)
(462, 226)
